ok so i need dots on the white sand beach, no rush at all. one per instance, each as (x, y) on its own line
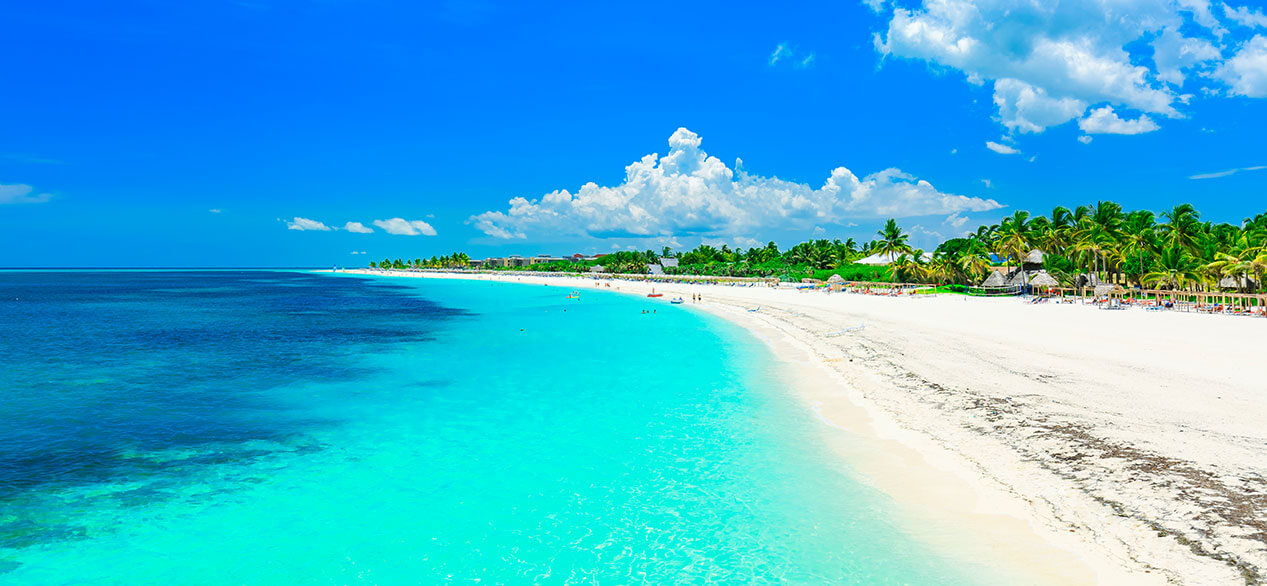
(1076, 445)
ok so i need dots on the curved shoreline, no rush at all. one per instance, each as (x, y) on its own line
(1061, 481)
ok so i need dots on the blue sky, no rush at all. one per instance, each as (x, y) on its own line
(199, 133)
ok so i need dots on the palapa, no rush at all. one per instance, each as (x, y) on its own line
(994, 280)
(1042, 279)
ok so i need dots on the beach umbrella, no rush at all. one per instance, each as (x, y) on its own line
(1104, 289)
(836, 279)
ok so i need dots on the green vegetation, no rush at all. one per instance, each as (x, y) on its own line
(1175, 250)
(453, 261)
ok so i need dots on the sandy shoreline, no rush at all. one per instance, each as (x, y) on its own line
(1080, 446)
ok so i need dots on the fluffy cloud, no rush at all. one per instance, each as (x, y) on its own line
(403, 227)
(1243, 16)
(303, 224)
(1174, 53)
(1002, 149)
(1050, 61)
(1106, 121)
(1246, 73)
(20, 193)
(1025, 108)
(687, 192)
(358, 228)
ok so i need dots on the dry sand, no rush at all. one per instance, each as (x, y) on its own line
(1064, 443)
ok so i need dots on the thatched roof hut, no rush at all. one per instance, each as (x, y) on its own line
(1035, 257)
(1106, 288)
(1042, 279)
(994, 280)
(835, 279)
(1241, 282)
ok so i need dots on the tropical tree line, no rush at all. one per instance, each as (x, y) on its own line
(456, 260)
(1172, 250)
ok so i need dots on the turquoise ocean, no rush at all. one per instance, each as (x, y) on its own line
(283, 427)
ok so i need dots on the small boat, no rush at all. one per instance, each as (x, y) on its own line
(677, 301)
(655, 294)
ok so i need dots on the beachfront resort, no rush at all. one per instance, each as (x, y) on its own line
(1096, 254)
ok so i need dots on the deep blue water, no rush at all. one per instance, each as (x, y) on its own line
(283, 427)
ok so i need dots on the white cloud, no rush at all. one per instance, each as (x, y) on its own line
(1002, 149)
(1106, 121)
(785, 52)
(403, 227)
(306, 224)
(1217, 174)
(1173, 53)
(1050, 61)
(1025, 108)
(956, 221)
(21, 193)
(215, 210)
(357, 228)
(781, 52)
(358, 252)
(1084, 139)
(1244, 16)
(987, 183)
(1246, 72)
(687, 192)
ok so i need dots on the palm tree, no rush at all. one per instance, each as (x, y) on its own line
(1013, 238)
(892, 239)
(1139, 234)
(1183, 222)
(1175, 268)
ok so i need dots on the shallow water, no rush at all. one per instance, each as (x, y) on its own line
(282, 427)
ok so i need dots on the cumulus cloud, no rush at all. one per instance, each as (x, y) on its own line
(1174, 53)
(357, 228)
(1246, 72)
(1025, 108)
(21, 193)
(1051, 61)
(1244, 16)
(403, 227)
(215, 210)
(1106, 121)
(1084, 139)
(687, 192)
(303, 224)
(1002, 149)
